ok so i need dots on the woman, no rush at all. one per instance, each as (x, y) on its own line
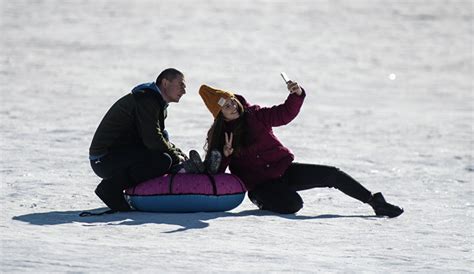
(243, 134)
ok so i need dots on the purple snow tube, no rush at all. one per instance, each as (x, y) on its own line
(187, 193)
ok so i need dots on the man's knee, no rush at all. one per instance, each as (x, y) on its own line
(161, 161)
(153, 166)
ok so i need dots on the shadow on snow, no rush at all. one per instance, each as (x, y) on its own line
(185, 220)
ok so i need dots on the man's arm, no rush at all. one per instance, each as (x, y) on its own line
(148, 125)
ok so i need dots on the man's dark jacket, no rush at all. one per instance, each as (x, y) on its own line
(138, 118)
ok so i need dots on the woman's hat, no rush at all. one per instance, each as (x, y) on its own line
(214, 98)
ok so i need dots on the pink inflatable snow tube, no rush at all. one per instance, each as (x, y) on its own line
(187, 193)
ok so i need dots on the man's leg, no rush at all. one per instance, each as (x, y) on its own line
(110, 191)
(152, 165)
(125, 167)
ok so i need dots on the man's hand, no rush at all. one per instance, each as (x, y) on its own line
(294, 88)
(181, 158)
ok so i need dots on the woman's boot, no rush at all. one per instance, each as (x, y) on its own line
(214, 162)
(194, 164)
(382, 208)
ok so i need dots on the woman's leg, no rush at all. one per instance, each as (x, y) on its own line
(305, 176)
(276, 196)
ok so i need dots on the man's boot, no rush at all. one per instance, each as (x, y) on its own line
(382, 208)
(112, 195)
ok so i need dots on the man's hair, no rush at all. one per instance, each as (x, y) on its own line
(169, 74)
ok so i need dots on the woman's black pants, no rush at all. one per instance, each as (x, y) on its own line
(281, 195)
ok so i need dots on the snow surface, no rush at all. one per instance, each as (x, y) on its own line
(390, 101)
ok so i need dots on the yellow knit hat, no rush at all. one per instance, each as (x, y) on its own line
(214, 98)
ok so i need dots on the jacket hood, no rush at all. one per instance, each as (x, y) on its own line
(142, 88)
(146, 86)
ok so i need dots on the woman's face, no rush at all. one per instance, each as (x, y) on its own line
(230, 109)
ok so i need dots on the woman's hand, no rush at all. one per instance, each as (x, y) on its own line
(228, 150)
(293, 87)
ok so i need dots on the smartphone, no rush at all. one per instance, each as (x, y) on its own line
(285, 77)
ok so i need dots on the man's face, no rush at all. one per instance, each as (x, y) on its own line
(173, 90)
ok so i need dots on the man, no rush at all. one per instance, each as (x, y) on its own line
(131, 144)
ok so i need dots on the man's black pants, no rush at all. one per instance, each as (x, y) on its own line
(125, 167)
(281, 195)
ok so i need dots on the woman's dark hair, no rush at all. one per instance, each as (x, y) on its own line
(216, 134)
(169, 74)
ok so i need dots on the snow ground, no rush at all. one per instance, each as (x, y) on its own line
(390, 101)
